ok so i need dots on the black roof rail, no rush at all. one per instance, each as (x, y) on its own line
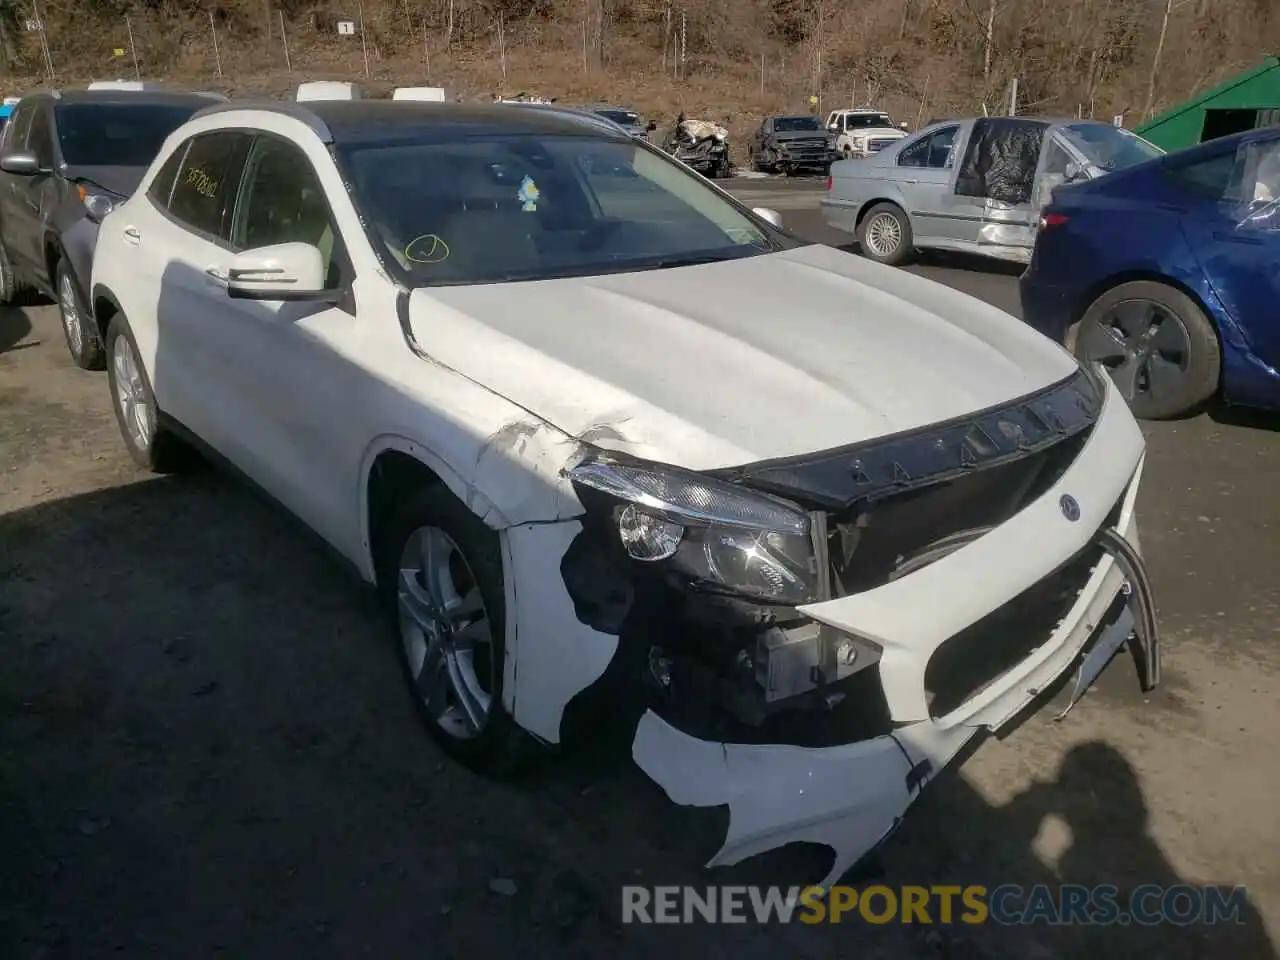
(284, 108)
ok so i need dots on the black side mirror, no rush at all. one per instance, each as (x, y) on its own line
(21, 163)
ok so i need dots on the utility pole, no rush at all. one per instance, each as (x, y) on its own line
(1155, 61)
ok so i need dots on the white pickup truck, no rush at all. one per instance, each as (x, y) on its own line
(862, 131)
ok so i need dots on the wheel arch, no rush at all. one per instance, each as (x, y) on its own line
(393, 465)
(104, 305)
(872, 204)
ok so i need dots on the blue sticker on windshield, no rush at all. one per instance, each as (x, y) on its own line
(528, 194)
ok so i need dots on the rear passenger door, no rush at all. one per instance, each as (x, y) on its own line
(186, 239)
(923, 170)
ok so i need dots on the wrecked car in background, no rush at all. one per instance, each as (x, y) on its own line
(790, 568)
(628, 120)
(976, 186)
(791, 145)
(702, 145)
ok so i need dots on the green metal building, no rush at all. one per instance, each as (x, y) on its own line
(1248, 101)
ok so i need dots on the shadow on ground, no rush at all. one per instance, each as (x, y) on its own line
(1243, 417)
(14, 327)
(952, 260)
(205, 748)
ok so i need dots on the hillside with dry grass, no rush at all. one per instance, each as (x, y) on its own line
(732, 59)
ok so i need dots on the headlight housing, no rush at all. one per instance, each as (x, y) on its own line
(96, 204)
(714, 534)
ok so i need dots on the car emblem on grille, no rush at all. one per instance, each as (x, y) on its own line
(1070, 507)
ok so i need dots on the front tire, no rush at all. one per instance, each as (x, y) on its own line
(149, 444)
(84, 343)
(1159, 347)
(884, 235)
(440, 576)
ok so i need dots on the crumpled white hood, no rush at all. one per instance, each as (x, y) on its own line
(728, 363)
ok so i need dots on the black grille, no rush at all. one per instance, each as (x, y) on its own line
(808, 149)
(981, 653)
(835, 480)
(869, 545)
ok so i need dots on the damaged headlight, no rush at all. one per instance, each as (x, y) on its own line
(714, 533)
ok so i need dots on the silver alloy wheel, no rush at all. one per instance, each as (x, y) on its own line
(70, 314)
(131, 394)
(446, 633)
(884, 235)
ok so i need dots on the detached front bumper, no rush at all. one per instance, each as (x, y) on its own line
(850, 797)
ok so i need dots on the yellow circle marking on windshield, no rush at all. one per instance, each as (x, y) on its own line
(427, 248)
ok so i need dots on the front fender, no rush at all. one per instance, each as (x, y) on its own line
(73, 239)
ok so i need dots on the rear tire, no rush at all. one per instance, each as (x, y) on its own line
(151, 446)
(1160, 348)
(468, 553)
(84, 343)
(884, 235)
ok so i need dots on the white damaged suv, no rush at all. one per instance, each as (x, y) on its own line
(624, 458)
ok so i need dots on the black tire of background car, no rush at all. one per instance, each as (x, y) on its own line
(905, 251)
(165, 453)
(501, 749)
(91, 355)
(14, 291)
(1199, 382)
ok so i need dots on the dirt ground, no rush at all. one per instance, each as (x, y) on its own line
(205, 747)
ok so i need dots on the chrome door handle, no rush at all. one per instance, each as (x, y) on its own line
(131, 235)
(217, 275)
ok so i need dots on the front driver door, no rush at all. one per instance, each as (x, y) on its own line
(279, 358)
(996, 181)
(27, 195)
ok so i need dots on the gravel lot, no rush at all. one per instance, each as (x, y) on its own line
(205, 747)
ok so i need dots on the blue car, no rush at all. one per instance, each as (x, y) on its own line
(1168, 273)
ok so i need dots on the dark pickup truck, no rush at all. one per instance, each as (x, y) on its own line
(791, 145)
(66, 158)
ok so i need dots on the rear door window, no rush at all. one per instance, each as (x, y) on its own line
(161, 188)
(932, 151)
(207, 181)
(1207, 178)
